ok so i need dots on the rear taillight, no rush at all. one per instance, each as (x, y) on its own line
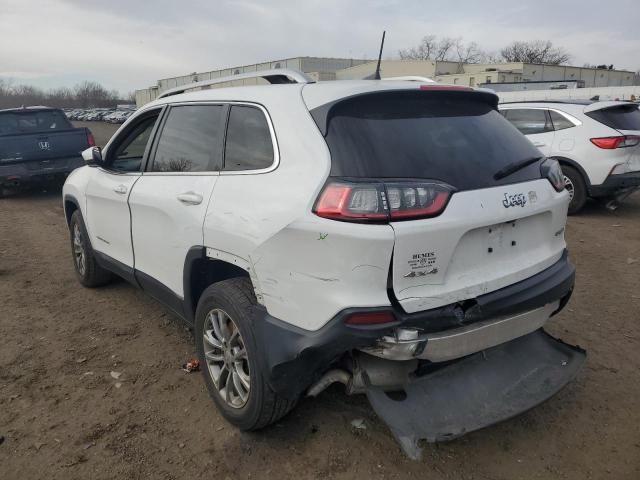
(90, 140)
(610, 143)
(370, 318)
(382, 201)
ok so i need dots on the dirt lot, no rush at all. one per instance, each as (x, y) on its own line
(63, 416)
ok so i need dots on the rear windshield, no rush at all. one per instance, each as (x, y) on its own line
(622, 117)
(35, 121)
(455, 137)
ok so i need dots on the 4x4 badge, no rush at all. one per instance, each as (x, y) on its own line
(515, 200)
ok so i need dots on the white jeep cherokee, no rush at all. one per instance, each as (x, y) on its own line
(400, 237)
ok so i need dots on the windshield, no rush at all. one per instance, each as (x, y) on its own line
(458, 138)
(32, 121)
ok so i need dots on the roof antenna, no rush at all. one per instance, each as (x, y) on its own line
(377, 74)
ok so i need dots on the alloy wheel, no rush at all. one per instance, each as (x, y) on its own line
(79, 254)
(226, 357)
(568, 184)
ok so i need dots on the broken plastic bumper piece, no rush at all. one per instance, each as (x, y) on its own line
(477, 391)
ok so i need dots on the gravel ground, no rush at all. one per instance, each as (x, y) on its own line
(64, 416)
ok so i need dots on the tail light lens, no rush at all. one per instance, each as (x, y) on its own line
(382, 201)
(370, 318)
(551, 170)
(610, 143)
(90, 140)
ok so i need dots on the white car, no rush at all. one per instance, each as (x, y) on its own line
(596, 143)
(389, 235)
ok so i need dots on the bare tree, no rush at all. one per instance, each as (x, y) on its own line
(537, 51)
(424, 51)
(469, 52)
(444, 49)
(87, 94)
(92, 94)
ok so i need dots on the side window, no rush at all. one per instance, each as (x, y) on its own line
(249, 145)
(128, 153)
(559, 121)
(191, 140)
(529, 121)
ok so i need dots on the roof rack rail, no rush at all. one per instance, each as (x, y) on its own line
(274, 76)
(572, 101)
(411, 78)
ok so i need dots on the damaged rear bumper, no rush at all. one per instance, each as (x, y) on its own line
(478, 391)
(294, 358)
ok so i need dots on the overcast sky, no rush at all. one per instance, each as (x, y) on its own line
(129, 44)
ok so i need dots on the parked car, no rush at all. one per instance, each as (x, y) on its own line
(37, 145)
(398, 237)
(100, 114)
(596, 143)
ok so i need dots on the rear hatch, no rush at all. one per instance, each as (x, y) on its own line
(625, 118)
(436, 153)
(40, 138)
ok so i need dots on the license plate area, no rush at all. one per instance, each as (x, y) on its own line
(502, 238)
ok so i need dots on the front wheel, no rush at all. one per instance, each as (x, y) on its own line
(89, 272)
(229, 357)
(576, 187)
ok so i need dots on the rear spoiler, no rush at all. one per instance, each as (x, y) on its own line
(322, 113)
(605, 105)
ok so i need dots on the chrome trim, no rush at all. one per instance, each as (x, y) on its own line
(272, 132)
(460, 342)
(566, 115)
(274, 142)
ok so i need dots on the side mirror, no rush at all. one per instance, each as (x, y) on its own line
(93, 156)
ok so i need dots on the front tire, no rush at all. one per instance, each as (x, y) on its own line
(574, 183)
(230, 357)
(89, 272)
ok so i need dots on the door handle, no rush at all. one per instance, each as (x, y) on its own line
(190, 198)
(538, 144)
(121, 189)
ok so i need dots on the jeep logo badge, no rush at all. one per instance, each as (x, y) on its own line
(517, 199)
(44, 145)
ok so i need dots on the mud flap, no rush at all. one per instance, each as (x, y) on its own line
(478, 391)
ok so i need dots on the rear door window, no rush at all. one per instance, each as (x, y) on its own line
(191, 139)
(623, 117)
(458, 138)
(249, 145)
(529, 120)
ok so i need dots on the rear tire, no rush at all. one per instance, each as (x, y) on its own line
(230, 357)
(89, 272)
(576, 187)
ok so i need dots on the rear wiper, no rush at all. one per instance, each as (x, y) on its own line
(514, 167)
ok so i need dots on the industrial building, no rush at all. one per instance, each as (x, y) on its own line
(456, 73)
(319, 69)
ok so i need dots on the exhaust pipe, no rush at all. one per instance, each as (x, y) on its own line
(368, 371)
(332, 376)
